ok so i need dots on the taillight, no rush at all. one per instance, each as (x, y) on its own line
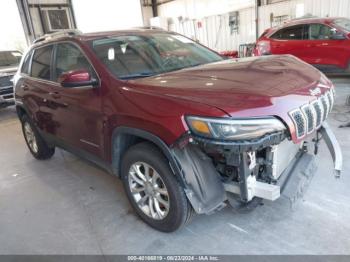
(263, 48)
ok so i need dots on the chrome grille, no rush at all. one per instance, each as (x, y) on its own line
(299, 122)
(310, 116)
(325, 104)
(330, 99)
(318, 111)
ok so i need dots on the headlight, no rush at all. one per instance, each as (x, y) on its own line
(233, 129)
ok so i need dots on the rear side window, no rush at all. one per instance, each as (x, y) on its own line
(321, 32)
(41, 63)
(26, 64)
(343, 23)
(289, 33)
(68, 58)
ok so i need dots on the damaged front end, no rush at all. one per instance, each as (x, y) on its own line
(219, 162)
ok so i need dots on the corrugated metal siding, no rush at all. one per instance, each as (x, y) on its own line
(327, 7)
(215, 30)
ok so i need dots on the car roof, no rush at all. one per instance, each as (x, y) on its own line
(326, 20)
(78, 36)
(300, 21)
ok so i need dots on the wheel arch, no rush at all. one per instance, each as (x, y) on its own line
(21, 111)
(125, 137)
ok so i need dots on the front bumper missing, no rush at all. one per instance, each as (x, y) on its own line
(294, 180)
(207, 190)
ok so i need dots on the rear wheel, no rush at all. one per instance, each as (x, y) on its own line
(36, 144)
(153, 190)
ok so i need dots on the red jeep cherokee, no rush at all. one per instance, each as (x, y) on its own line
(322, 42)
(185, 130)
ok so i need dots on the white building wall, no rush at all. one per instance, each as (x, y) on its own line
(214, 14)
(104, 15)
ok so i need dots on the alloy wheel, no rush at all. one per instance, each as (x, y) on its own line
(30, 137)
(148, 190)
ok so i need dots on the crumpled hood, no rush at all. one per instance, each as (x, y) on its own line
(251, 87)
(235, 85)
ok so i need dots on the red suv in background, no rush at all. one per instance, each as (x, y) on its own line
(322, 42)
(185, 129)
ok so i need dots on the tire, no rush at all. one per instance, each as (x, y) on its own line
(36, 144)
(173, 210)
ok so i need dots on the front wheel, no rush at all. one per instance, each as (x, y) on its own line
(153, 189)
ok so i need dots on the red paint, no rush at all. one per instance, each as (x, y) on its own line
(264, 86)
(328, 52)
(75, 76)
(230, 54)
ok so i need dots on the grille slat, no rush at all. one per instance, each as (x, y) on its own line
(299, 122)
(319, 114)
(331, 101)
(325, 104)
(310, 116)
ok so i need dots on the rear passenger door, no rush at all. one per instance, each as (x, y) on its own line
(77, 110)
(35, 84)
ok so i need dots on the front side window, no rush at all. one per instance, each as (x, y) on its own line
(320, 32)
(289, 33)
(343, 23)
(10, 58)
(68, 58)
(134, 56)
(41, 63)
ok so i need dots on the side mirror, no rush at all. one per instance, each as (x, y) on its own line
(338, 36)
(77, 78)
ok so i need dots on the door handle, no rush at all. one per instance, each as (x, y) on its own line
(55, 95)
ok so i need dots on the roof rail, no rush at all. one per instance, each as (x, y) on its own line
(150, 27)
(68, 32)
(307, 16)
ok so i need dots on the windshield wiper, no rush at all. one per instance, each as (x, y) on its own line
(137, 75)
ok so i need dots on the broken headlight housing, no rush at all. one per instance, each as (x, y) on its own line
(233, 129)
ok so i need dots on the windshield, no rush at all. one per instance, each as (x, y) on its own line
(343, 23)
(134, 56)
(10, 58)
